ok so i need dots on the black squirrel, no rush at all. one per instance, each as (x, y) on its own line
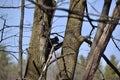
(52, 41)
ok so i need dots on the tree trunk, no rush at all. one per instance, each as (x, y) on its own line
(94, 60)
(101, 25)
(21, 41)
(39, 41)
(71, 42)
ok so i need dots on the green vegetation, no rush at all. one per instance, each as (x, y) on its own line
(109, 73)
(8, 70)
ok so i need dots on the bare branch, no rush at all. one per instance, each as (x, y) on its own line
(104, 20)
(2, 30)
(12, 7)
(59, 58)
(94, 8)
(57, 34)
(8, 37)
(89, 20)
(17, 7)
(46, 64)
(115, 43)
(20, 39)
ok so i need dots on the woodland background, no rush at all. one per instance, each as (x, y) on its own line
(13, 44)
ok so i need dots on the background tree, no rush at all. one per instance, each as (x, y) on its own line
(80, 69)
(109, 73)
(4, 62)
(8, 69)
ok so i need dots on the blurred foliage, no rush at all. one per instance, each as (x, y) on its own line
(109, 72)
(8, 70)
(80, 68)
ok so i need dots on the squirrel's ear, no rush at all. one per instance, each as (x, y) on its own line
(56, 38)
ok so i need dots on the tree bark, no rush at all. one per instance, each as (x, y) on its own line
(101, 25)
(72, 40)
(21, 41)
(39, 41)
(94, 60)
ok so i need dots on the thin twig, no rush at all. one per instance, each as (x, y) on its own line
(2, 30)
(46, 64)
(115, 43)
(62, 56)
(89, 20)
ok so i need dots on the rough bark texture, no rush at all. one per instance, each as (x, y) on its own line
(39, 41)
(72, 40)
(94, 60)
(101, 25)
